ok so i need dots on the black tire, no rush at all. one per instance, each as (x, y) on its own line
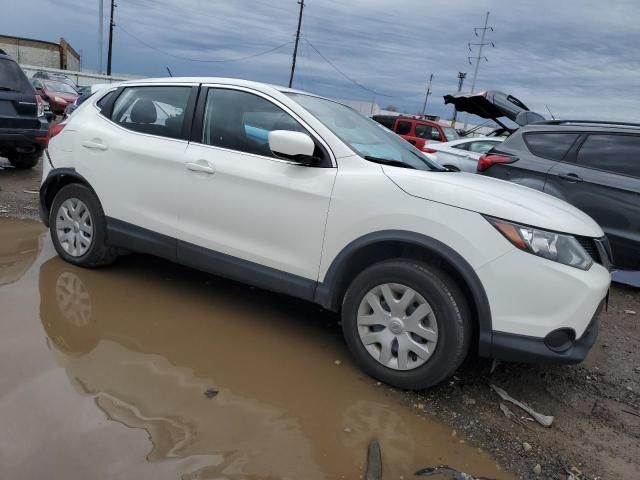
(448, 304)
(25, 160)
(99, 253)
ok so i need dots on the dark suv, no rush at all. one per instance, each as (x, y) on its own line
(24, 130)
(592, 165)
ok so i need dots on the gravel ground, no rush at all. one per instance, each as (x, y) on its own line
(596, 405)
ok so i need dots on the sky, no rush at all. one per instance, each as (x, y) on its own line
(579, 58)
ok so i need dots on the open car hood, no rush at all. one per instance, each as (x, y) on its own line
(493, 104)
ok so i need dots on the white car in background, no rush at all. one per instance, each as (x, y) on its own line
(463, 154)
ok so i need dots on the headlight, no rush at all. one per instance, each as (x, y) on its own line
(554, 246)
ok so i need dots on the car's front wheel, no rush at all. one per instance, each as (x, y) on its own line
(78, 227)
(406, 323)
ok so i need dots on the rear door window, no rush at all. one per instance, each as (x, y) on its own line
(612, 153)
(553, 146)
(403, 128)
(152, 110)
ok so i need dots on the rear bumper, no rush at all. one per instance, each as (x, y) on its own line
(13, 137)
(520, 348)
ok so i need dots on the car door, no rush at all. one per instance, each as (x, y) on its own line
(404, 128)
(244, 213)
(603, 179)
(132, 154)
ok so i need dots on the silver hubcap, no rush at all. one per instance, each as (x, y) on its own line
(74, 227)
(397, 326)
(73, 299)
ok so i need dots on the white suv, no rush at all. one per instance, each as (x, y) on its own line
(299, 194)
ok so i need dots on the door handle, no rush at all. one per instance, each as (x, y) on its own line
(201, 166)
(570, 177)
(94, 145)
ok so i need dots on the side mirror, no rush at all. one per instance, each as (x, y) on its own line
(295, 146)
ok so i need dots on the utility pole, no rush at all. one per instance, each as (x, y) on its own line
(479, 57)
(424, 107)
(295, 49)
(111, 25)
(461, 77)
(100, 34)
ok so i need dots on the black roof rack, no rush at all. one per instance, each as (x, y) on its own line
(588, 122)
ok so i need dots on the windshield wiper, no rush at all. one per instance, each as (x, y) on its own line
(8, 89)
(388, 161)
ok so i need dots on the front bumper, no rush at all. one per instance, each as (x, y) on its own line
(520, 348)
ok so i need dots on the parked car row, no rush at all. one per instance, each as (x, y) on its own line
(591, 165)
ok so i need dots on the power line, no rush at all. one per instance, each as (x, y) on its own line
(257, 54)
(344, 74)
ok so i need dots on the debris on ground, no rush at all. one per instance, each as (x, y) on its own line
(537, 470)
(510, 415)
(374, 461)
(544, 420)
(211, 392)
(446, 470)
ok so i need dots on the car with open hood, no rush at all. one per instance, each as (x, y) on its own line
(302, 195)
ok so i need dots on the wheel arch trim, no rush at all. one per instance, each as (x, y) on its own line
(53, 180)
(328, 292)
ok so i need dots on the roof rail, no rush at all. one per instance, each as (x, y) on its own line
(588, 122)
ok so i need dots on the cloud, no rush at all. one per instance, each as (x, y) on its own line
(577, 56)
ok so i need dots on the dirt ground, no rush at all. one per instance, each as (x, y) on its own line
(596, 405)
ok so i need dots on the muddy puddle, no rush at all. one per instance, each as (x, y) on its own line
(148, 370)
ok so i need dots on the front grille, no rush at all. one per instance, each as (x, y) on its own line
(598, 248)
(589, 245)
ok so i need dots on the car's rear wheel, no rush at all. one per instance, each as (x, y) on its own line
(78, 227)
(25, 160)
(406, 323)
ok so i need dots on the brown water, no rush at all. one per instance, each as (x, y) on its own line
(103, 375)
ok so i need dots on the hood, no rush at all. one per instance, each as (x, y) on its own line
(68, 97)
(493, 104)
(495, 198)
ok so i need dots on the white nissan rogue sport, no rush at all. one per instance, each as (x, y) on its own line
(299, 194)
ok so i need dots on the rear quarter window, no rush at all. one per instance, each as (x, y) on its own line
(13, 78)
(553, 146)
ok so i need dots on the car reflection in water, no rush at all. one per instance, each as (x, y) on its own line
(146, 339)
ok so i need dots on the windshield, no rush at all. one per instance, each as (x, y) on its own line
(59, 87)
(450, 133)
(365, 137)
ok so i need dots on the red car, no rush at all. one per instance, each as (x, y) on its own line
(417, 131)
(58, 94)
